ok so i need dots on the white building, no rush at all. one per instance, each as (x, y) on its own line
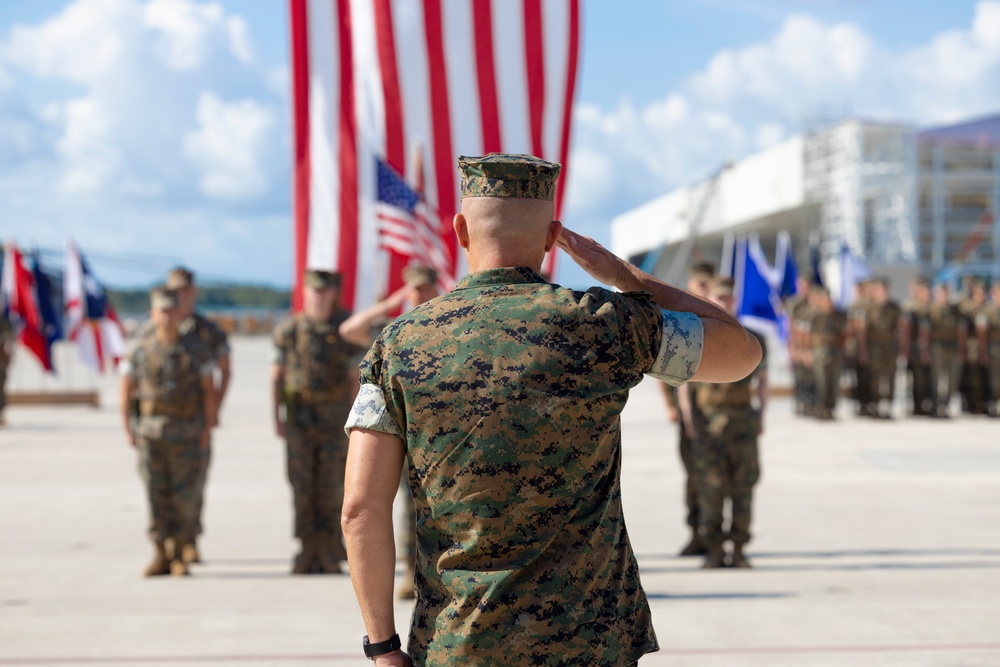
(905, 200)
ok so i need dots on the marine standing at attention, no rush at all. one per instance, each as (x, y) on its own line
(314, 379)
(170, 376)
(724, 422)
(504, 397)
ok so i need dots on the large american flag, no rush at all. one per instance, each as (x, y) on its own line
(380, 79)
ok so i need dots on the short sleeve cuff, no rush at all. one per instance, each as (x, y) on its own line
(206, 369)
(126, 368)
(680, 348)
(277, 355)
(369, 411)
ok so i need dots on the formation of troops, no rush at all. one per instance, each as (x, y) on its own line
(949, 344)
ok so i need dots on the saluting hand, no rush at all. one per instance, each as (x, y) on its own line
(595, 259)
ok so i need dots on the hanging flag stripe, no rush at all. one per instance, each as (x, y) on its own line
(300, 157)
(376, 79)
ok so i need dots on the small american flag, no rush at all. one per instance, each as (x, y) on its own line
(408, 226)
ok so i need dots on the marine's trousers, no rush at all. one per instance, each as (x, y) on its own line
(690, 479)
(993, 370)
(826, 369)
(975, 387)
(170, 470)
(944, 374)
(203, 462)
(882, 371)
(805, 389)
(863, 386)
(317, 461)
(920, 387)
(726, 468)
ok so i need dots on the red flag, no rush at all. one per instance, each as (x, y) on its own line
(372, 79)
(21, 298)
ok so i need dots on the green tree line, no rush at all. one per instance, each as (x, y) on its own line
(210, 297)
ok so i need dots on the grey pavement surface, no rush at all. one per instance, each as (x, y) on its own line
(875, 543)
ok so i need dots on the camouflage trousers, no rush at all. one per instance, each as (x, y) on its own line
(690, 479)
(862, 385)
(882, 372)
(974, 386)
(727, 466)
(170, 470)
(993, 370)
(805, 387)
(826, 371)
(920, 387)
(944, 375)
(203, 462)
(317, 462)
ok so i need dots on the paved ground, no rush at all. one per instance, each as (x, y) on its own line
(875, 544)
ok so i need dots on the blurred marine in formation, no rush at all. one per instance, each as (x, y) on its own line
(879, 329)
(988, 332)
(697, 284)
(723, 422)
(167, 380)
(916, 347)
(827, 332)
(944, 333)
(7, 338)
(803, 380)
(974, 384)
(362, 328)
(314, 381)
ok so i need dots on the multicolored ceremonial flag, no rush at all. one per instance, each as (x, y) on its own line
(376, 79)
(27, 301)
(90, 318)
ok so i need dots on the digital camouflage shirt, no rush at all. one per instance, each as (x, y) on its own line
(507, 393)
(318, 363)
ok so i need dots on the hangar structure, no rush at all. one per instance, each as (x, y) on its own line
(904, 199)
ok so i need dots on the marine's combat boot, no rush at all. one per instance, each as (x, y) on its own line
(304, 559)
(189, 553)
(178, 565)
(329, 553)
(406, 591)
(695, 547)
(738, 559)
(160, 564)
(715, 557)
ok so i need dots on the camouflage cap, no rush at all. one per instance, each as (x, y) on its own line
(420, 274)
(180, 277)
(162, 297)
(508, 175)
(722, 286)
(322, 279)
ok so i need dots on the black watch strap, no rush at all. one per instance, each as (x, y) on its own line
(388, 646)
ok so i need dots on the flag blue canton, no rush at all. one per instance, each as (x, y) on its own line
(95, 297)
(393, 190)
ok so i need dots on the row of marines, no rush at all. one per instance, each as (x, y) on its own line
(948, 345)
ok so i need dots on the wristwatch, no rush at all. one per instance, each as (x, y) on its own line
(388, 646)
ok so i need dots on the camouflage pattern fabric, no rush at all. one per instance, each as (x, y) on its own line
(507, 175)
(168, 384)
(725, 455)
(975, 381)
(802, 376)
(507, 394)
(989, 318)
(826, 330)
(882, 333)
(919, 370)
(690, 478)
(861, 392)
(7, 338)
(317, 365)
(944, 321)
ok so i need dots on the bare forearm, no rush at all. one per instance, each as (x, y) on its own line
(371, 553)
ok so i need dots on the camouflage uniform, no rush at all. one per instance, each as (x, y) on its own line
(7, 338)
(881, 323)
(803, 377)
(213, 338)
(915, 315)
(862, 371)
(826, 331)
(507, 393)
(988, 318)
(943, 324)
(974, 383)
(726, 428)
(170, 424)
(318, 392)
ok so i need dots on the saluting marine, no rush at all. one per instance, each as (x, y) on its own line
(314, 380)
(170, 378)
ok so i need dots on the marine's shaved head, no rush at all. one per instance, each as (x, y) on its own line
(510, 231)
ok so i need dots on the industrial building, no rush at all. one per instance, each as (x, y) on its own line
(904, 199)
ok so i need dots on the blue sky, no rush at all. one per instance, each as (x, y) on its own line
(154, 131)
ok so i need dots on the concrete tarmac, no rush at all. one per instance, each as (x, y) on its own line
(875, 543)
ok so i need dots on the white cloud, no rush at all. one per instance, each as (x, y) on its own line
(750, 98)
(128, 112)
(228, 146)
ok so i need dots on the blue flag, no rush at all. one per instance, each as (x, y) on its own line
(756, 297)
(51, 322)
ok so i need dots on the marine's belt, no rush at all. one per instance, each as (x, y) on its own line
(714, 396)
(185, 410)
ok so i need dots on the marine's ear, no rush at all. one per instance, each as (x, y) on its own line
(461, 226)
(555, 229)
